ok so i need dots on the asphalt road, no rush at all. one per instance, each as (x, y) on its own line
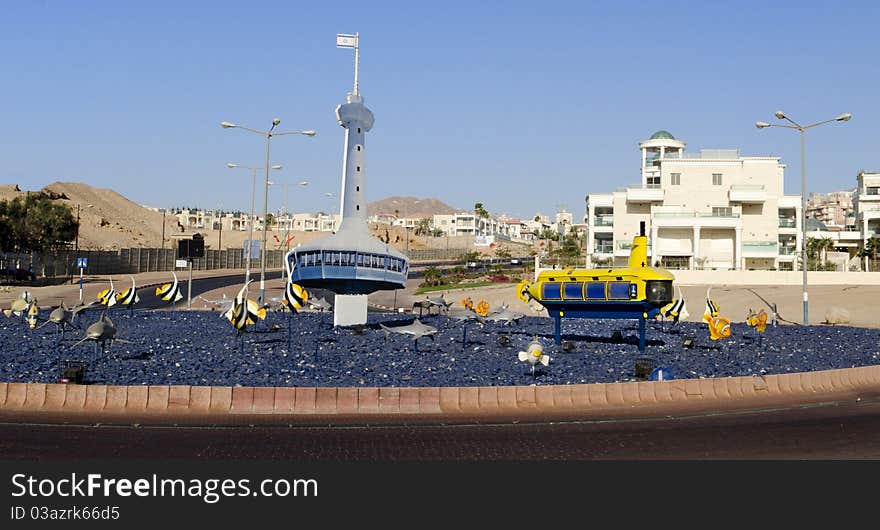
(833, 431)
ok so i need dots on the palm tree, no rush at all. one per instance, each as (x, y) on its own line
(423, 227)
(480, 212)
(870, 249)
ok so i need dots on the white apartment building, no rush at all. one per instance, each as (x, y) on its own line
(456, 224)
(867, 204)
(715, 209)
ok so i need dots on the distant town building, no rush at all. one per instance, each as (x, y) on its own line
(867, 204)
(835, 210)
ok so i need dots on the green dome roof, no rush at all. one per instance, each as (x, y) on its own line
(662, 135)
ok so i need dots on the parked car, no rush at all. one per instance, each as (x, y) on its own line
(17, 275)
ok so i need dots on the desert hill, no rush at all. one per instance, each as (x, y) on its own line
(410, 207)
(109, 221)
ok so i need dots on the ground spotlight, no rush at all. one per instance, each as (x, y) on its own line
(644, 367)
(73, 372)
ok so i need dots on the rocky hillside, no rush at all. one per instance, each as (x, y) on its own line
(107, 219)
(410, 207)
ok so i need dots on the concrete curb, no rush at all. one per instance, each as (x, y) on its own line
(200, 405)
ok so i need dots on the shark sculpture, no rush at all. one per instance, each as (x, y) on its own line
(103, 330)
(319, 304)
(416, 329)
(63, 317)
(506, 317)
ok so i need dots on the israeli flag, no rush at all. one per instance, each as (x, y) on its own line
(346, 41)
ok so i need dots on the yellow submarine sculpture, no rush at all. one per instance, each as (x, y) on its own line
(637, 291)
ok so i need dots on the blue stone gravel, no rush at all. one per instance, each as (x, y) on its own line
(200, 348)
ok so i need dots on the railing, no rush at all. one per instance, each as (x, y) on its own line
(696, 214)
(603, 249)
(787, 250)
(747, 187)
(787, 223)
(603, 220)
(872, 191)
(760, 245)
(626, 245)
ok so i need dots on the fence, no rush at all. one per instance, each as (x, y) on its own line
(136, 260)
(132, 261)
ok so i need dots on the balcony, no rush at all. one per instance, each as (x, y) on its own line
(603, 249)
(644, 194)
(603, 220)
(757, 249)
(689, 219)
(753, 193)
(622, 247)
(785, 222)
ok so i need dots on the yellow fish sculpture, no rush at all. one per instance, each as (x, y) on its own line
(719, 328)
(295, 297)
(129, 296)
(244, 311)
(757, 320)
(170, 292)
(33, 314)
(107, 297)
(675, 310)
(467, 303)
(711, 307)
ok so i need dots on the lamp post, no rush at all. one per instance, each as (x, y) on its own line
(268, 135)
(247, 274)
(802, 129)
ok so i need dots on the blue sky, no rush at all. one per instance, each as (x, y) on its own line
(524, 106)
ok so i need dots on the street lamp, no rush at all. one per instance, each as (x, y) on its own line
(268, 135)
(802, 129)
(247, 274)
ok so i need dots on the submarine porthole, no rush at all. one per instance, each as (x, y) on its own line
(658, 292)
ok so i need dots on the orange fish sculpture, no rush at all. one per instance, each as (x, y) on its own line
(719, 328)
(757, 320)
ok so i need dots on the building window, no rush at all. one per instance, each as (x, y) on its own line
(675, 178)
(722, 211)
(359, 148)
(359, 129)
(357, 188)
(358, 168)
(653, 182)
(716, 179)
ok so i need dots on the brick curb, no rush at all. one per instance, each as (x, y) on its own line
(203, 405)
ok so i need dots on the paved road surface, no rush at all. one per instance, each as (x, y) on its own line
(832, 431)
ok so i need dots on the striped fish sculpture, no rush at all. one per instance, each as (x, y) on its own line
(244, 311)
(170, 292)
(295, 297)
(33, 314)
(711, 307)
(129, 296)
(675, 310)
(107, 297)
